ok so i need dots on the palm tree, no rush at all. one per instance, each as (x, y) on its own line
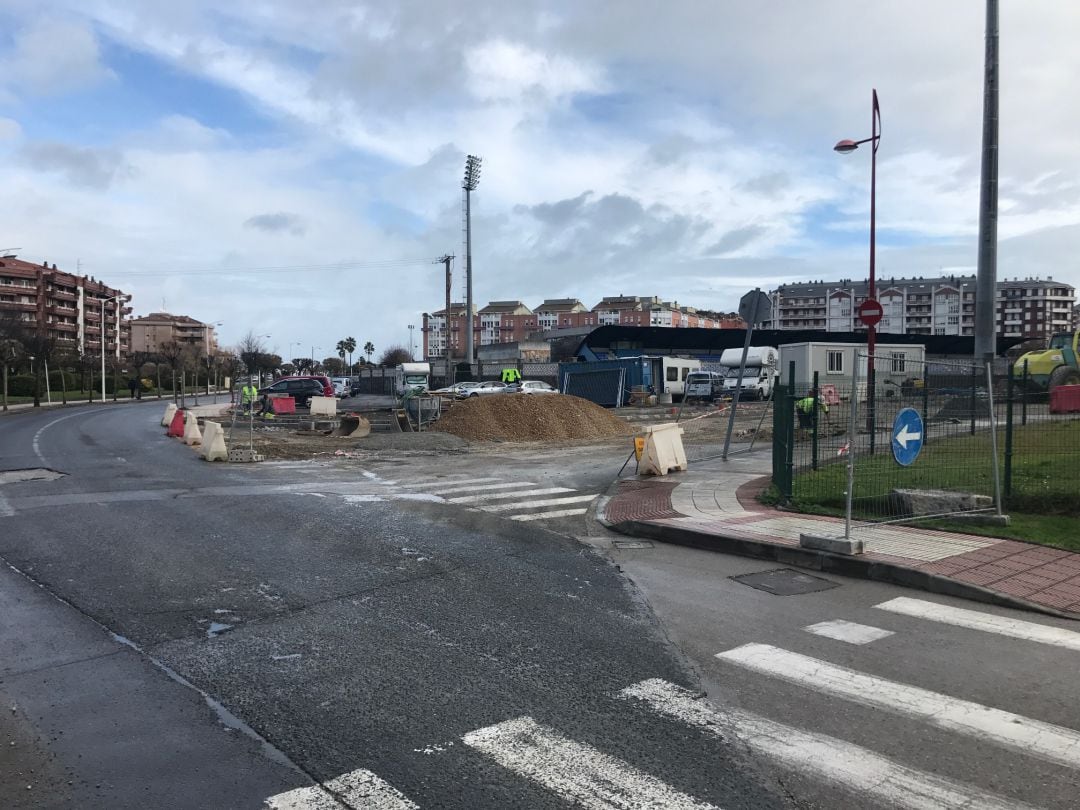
(350, 347)
(369, 349)
(341, 350)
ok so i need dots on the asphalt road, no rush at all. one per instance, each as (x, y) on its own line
(303, 623)
(425, 630)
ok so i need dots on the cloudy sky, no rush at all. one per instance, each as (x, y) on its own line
(295, 168)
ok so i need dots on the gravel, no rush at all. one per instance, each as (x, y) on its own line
(530, 417)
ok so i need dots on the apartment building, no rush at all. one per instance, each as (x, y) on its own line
(513, 321)
(149, 332)
(1034, 309)
(66, 307)
(923, 306)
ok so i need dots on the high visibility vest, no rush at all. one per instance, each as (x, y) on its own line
(806, 404)
(248, 393)
(510, 375)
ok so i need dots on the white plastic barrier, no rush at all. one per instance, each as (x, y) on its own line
(170, 412)
(324, 406)
(192, 434)
(213, 446)
(663, 451)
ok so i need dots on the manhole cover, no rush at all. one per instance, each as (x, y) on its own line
(785, 582)
(35, 474)
(632, 544)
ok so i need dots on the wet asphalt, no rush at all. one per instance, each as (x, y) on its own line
(346, 633)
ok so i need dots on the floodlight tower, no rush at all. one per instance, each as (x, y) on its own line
(472, 179)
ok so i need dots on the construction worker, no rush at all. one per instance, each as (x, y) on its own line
(511, 376)
(805, 409)
(248, 394)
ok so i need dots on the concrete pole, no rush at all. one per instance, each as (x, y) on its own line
(468, 278)
(986, 279)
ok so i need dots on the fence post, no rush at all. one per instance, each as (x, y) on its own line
(974, 379)
(789, 407)
(1009, 388)
(925, 407)
(1024, 395)
(853, 440)
(871, 397)
(996, 465)
(814, 428)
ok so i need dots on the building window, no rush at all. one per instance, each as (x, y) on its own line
(898, 364)
(835, 361)
(672, 374)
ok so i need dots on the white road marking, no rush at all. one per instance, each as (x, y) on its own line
(43, 428)
(851, 632)
(481, 487)
(557, 513)
(6, 510)
(437, 486)
(850, 766)
(987, 622)
(360, 789)
(505, 507)
(525, 493)
(1045, 740)
(577, 773)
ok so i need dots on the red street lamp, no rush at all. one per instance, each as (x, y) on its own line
(845, 147)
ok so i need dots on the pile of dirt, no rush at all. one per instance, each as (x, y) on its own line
(526, 418)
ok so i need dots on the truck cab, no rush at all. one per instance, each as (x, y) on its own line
(412, 378)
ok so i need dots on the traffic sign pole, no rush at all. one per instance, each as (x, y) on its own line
(753, 308)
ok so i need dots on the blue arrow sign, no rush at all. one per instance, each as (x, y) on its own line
(907, 436)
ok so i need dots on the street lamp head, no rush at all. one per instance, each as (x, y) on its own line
(845, 146)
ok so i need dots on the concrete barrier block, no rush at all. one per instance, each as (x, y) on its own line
(835, 545)
(192, 434)
(213, 446)
(176, 426)
(663, 450)
(170, 412)
(324, 406)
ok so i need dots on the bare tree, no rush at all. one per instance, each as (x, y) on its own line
(395, 356)
(251, 349)
(171, 353)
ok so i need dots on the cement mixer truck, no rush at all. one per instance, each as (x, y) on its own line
(759, 375)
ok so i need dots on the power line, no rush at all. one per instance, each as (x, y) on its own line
(387, 264)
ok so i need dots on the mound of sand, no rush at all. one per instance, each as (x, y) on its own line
(530, 418)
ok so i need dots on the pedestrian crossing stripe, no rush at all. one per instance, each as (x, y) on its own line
(985, 622)
(1035, 737)
(495, 496)
(546, 515)
(841, 763)
(360, 789)
(577, 773)
(505, 507)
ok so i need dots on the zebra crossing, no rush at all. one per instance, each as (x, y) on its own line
(581, 775)
(521, 501)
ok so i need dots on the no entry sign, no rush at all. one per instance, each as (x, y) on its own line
(870, 312)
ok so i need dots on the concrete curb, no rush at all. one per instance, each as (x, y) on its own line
(828, 563)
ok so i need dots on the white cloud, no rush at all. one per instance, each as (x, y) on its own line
(501, 70)
(52, 56)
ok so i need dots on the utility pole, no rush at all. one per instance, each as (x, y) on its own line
(446, 322)
(986, 279)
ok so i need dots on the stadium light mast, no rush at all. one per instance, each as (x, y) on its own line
(472, 179)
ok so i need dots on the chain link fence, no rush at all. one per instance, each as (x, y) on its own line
(922, 447)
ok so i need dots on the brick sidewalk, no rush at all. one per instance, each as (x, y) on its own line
(1021, 573)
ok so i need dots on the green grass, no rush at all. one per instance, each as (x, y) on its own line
(1044, 504)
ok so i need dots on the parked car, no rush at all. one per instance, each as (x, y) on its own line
(301, 389)
(328, 387)
(532, 387)
(460, 389)
(341, 386)
(490, 387)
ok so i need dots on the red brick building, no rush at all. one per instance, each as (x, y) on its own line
(66, 307)
(513, 321)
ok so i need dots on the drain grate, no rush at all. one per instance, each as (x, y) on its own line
(33, 474)
(632, 544)
(785, 582)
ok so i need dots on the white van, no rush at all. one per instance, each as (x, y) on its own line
(703, 386)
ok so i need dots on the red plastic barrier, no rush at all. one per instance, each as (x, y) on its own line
(283, 405)
(828, 394)
(176, 427)
(1065, 399)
